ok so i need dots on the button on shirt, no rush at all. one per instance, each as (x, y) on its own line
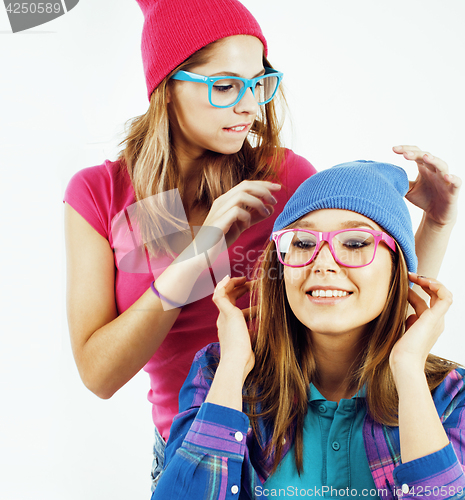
(333, 451)
(204, 455)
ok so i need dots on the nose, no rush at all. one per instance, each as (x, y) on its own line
(248, 103)
(324, 260)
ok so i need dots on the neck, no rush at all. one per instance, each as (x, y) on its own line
(189, 165)
(337, 358)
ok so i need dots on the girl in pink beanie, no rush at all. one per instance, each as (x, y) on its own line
(149, 235)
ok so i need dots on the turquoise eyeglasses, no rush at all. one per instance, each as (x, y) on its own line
(227, 91)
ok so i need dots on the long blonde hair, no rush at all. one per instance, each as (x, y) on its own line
(150, 159)
(277, 387)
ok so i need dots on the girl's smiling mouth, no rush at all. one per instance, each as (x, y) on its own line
(327, 295)
(242, 127)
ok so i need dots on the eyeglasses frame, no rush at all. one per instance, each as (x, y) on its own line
(328, 238)
(187, 76)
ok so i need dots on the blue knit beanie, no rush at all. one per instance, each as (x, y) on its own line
(375, 190)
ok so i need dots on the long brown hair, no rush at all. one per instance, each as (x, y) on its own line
(150, 159)
(277, 387)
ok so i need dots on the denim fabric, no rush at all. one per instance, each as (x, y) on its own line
(158, 458)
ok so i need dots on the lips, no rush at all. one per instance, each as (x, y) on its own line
(241, 127)
(325, 292)
(329, 293)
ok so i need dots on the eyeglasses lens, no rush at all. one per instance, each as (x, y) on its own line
(352, 248)
(265, 89)
(225, 92)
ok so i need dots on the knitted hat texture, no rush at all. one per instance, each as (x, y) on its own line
(375, 190)
(175, 29)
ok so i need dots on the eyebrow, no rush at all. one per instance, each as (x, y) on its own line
(345, 225)
(229, 73)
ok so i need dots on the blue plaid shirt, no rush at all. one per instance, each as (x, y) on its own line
(213, 455)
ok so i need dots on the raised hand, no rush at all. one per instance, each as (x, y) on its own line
(237, 357)
(233, 333)
(424, 327)
(434, 190)
(420, 429)
(241, 207)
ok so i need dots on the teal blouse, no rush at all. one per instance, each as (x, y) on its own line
(334, 454)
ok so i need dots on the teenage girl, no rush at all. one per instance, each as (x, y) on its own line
(339, 388)
(211, 137)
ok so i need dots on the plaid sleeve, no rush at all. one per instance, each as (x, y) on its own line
(208, 464)
(438, 475)
(441, 475)
(207, 444)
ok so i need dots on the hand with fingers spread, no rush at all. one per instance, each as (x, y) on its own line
(424, 327)
(434, 190)
(233, 333)
(241, 207)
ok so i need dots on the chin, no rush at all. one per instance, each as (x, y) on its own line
(329, 327)
(229, 149)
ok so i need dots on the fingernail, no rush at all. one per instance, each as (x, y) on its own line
(273, 200)
(225, 279)
(267, 211)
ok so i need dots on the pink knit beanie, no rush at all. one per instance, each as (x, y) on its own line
(175, 29)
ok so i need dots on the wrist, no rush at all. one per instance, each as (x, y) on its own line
(439, 227)
(210, 243)
(226, 388)
(237, 366)
(191, 261)
(407, 370)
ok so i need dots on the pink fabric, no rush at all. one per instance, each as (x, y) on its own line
(99, 194)
(175, 29)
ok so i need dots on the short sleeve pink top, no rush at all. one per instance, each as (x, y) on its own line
(101, 193)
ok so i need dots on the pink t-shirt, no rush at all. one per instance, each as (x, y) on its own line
(103, 192)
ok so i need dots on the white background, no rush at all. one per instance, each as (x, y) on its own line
(361, 76)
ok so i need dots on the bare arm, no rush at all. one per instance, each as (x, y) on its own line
(436, 192)
(420, 429)
(431, 243)
(237, 358)
(109, 349)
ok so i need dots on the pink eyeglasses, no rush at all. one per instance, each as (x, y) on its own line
(349, 247)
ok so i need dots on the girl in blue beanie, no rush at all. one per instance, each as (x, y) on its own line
(333, 392)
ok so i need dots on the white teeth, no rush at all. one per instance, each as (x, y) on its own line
(238, 129)
(328, 293)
